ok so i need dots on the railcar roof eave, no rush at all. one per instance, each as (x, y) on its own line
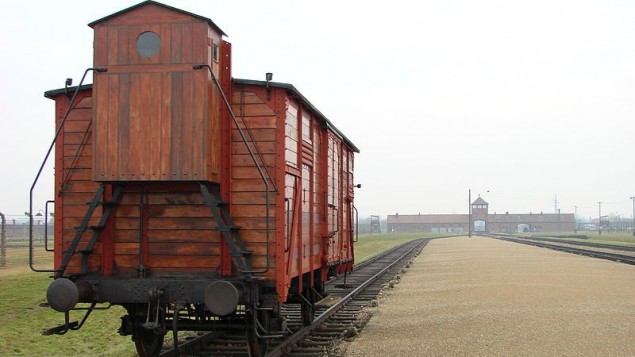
(296, 92)
(51, 94)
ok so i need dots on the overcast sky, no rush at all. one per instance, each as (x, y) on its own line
(528, 100)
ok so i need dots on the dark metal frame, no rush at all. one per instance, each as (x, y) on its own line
(46, 157)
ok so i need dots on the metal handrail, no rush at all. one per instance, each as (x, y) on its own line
(337, 218)
(356, 224)
(75, 157)
(48, 153)
(46, 226)
(253, 157)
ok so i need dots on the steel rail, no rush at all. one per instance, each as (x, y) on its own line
(288, 343)
(371, 260)
(626, 259)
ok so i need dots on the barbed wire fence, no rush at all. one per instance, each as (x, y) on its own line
(14, 241)
(3, 242)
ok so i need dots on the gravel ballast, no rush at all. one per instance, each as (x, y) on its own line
(483, 297)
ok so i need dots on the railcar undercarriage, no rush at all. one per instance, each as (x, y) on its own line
(156, 306)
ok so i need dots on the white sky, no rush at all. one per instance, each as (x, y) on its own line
(524, 99)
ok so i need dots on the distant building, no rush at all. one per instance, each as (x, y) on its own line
(482, 221)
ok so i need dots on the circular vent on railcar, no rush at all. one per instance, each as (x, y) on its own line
(148, 44)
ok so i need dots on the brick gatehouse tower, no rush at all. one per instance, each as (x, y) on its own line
(480, 215)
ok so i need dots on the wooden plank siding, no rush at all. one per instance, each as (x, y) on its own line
(317, 199)
(73, 177)
(339, 187)
(175, 232)
(156, 117)
(179, 236)
(347, 208)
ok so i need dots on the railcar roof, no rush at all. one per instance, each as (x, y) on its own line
(208, 20)
(290, 88)
(51, 94)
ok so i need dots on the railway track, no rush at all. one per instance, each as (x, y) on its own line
(568, 247)
(582, 244)
(350, 295)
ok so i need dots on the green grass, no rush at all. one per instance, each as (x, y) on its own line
(370, 245)
(22, 319)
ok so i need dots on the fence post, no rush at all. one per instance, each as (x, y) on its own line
(3, 242)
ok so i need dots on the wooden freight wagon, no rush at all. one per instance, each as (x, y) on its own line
(180, 190)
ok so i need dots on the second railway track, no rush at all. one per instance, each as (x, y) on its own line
(574, 248)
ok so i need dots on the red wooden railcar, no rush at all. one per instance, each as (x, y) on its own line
(191, 198)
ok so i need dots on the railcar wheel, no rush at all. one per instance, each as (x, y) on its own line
(148, 340)
(256, 346)
(149, 343)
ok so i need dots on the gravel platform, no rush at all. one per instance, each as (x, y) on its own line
(483, 297)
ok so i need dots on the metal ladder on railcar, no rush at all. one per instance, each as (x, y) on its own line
(239, 252)
(96, 229)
